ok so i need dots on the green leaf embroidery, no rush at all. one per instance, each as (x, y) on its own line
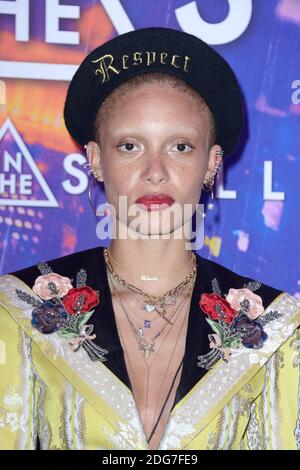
(82, 319)
(216, 327)
(67, 333)
(231, 342)
(73, 330)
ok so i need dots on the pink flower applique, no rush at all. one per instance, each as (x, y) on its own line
(50, 285)
(235, 321)
(64, 309)
(239, 298)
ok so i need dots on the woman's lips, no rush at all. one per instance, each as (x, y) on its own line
(155, 202)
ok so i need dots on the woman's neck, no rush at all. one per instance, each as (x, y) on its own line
(154, 266)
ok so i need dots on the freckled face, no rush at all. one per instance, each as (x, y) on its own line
(154, 140)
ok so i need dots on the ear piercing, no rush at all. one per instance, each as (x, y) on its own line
(209, 183)
(86, 165)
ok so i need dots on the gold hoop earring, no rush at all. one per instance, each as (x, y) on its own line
(89, 195)
(92, 180)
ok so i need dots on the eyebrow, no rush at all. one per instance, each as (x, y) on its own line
(134, 132)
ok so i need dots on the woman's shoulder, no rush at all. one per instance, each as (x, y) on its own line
(67, 265)
(16, 286)
(228, 279)
(269, 311)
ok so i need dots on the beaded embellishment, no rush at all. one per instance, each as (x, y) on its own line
(65, 309)
(235, 320)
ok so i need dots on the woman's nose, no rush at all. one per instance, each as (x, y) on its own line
(155, 170)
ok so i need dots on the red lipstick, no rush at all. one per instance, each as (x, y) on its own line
(154, 201)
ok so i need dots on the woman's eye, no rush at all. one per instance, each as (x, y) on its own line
(128, 147)
(183, 148)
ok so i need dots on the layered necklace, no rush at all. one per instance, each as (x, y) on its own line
(151, 303)
(158, 304)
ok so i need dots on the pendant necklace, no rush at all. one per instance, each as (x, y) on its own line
(146, 346)
(152, 302)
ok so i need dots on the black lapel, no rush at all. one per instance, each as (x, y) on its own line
(104, 321)
(197, 336)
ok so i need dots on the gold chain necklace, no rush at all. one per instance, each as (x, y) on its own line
(165, 375)
(153, 302)
(144, 277)
(146, 346)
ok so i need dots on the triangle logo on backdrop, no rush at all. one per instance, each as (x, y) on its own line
(13, 180)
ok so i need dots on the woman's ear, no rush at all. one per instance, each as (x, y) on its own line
(214, 156)
(93, 153)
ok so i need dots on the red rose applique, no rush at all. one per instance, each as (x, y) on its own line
(237, 322)
(80, 300)
(209, 302)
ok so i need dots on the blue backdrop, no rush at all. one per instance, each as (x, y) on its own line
(44, 209)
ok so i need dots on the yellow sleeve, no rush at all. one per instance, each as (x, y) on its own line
(265, 413)
(17, 387)
(274, 422)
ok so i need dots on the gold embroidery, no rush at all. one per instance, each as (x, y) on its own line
(163, 55)
(107, 67)
(137, 57)
(186, 59)
(124, 60)
(173, 61)
(149, 61)
(104, 67)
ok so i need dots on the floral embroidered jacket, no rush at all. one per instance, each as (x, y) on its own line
(51, 387)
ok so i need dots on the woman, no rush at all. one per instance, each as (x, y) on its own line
(147, 345)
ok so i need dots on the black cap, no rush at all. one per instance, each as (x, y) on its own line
(155, 50)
